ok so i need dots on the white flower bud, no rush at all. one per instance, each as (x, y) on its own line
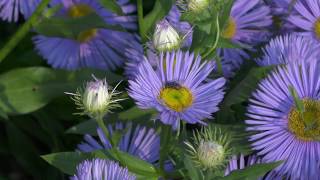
(197, 5)
(210, 148)
(210, 154)
(165, 37)
(97, 99)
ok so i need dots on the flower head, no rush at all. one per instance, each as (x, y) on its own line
(165, 37)
(11, 9)
(289, 49)
(95, 48)
(210, 147)
(177, 88)
(307, 18)
(101, 169)
(246, 26)
(281, 130)
(97, 99)
(241, 162)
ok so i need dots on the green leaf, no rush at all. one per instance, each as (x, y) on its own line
(226, 12)
(160, 9)
(165, 139)
(298, 102)
(226, 43)
(86, 127)
(90, 126)
(23, 150)
(3, 114)
(193, 172)
(252, 172)
(244, 88)
(28, 89)
(135, 113)
(111, 5)
(68, 161)
(135, 164)
(72, 27)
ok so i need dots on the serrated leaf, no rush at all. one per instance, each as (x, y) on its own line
(252, 172)
(27, 89)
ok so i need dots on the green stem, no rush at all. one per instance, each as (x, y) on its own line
(23, 31)
(165, 140)
(216, 41)
(105, 130)
(140, 16)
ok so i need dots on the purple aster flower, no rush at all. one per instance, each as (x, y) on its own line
(101, 169)
(177, 88)
(282, 131)
(247, 26)
(138, 141)
(307, 19)
(95, 48)
(241, 162)
(11, 9)
(289, 49)
(282, 10)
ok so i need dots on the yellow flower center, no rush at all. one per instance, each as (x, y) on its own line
(81, 10)
(230, 29)
(306, 125)
(176, 97)
(317, 28)
(87, 35)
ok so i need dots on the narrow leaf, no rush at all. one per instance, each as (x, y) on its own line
(298, 102)
(111, 5)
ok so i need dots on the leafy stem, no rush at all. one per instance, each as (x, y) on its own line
(23, 31)
(140, 16)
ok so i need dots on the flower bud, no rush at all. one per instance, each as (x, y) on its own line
(96, 100)
(210, 153)
(210, 148)
(198, 5)
(165, 37)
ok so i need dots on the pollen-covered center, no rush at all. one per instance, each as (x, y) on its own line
(230, 29)
(81, 10)
(306, 125)
(317, 28)
(176, 97)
